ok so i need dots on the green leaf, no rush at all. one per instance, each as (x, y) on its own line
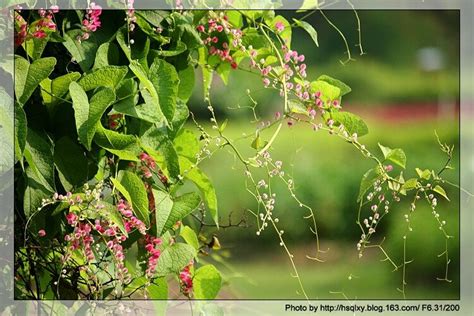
(368, 179)
(252, 37)
(207, 282)
(127, 92)
(148, 91)
(297, 107)
(137, 196)
(308, 28)
(166, 81)
(203, 183)
(34, 47)
(396, 155)
(186, 83)
(107, 54)
(108, 76)
(55, 37)
(181, 115)
(158, 290)
(39, 155)
(154, 17)
(385, 150)
(28, 76)
(168, 212)
(438, 189)
(397, 186)
(424, 174)
(308, 5)
(352, 123)
(235, 18)
(174, 258)
(257, 142)
(53, 90)
(87, 115)
(182, 206)
(223, 70)
(8, 137)
(163, 205)
(179, 49)
(112, 214)
(124, 146)
(141, 111)
(83, 52)
(21, 129)
(139, 50)
(190, 237)
(186, 144)
(345, 89)
(156, 143)
(190, 36)
(410, 184)
(329, 92)
(34, 193)
(72, 164)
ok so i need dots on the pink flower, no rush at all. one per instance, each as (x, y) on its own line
(54, 8)
(388, 168)
(200, 28)
(144, 156)
(279, 26)
(186, 279)
(41, 233)
(71, 219)
(266, 82)
(110, 232)
(91, 22)
(39, 34)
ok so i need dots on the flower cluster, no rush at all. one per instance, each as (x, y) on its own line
(186, 280)
(148, 165)
(130, 221)
(114, 120)
(91, 22)
(211, 34)
(21, 32)
(379, 207)
(86, 233)
(38, 29)
(150, 245)
(131, 18)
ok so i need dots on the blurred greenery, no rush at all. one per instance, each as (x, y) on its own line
(327, 171)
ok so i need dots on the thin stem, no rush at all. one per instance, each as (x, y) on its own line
(359, 32)
(349, 58)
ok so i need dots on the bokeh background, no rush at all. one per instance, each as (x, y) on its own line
(405, 87)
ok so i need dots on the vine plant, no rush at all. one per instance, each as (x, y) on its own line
(103, 155)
